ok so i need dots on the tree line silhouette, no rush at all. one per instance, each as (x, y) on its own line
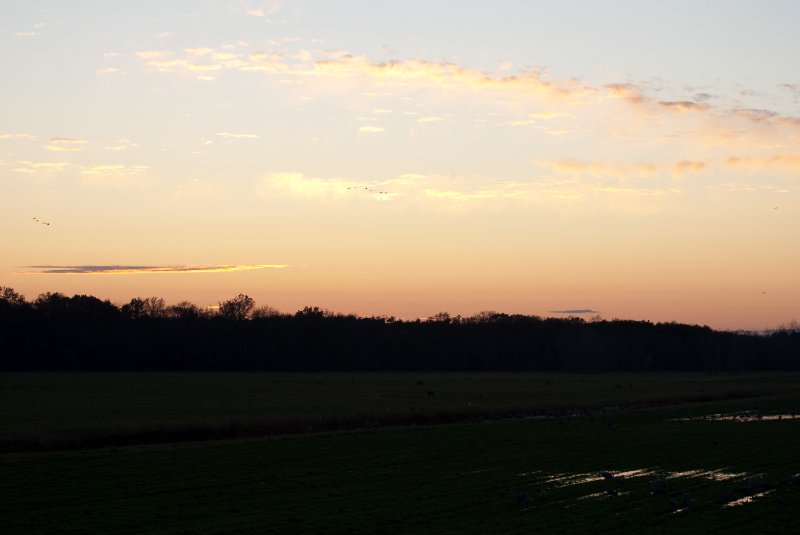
(56, 332)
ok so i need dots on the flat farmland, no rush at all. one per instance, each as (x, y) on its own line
(543, 453)
(76, 410)
(507, 476)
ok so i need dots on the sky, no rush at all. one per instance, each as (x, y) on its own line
(625, 159)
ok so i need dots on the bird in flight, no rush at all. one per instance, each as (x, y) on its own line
(366, 188)
(47, 223)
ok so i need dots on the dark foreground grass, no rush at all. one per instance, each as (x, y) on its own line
(457, 478)
(42, 411)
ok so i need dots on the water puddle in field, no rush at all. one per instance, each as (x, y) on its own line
(712, 475)
(748, 499)
(676, 487)
(741, 417)
(603, 494)
(568, 480)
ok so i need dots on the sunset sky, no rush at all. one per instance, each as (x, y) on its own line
(637, 159)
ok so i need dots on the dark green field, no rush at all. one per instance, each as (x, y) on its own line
(76, 410)
(501, 471)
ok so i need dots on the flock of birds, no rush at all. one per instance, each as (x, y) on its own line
(37, 220)
(367, 189)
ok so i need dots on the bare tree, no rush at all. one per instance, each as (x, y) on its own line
(10, 296)
(148, 307)
(265, 311)
(237, 308)
(183, 310)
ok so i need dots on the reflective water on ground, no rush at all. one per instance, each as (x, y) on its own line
(742, 417)
(680, 488)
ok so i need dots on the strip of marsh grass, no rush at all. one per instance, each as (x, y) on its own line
(76, 410)
(437, 479)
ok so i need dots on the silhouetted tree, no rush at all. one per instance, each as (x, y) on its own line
(82, 332)
(148, 307)
(264, 312)
(183, 310)
(311, 312)
(10, 297)
(52, 304)
(237, 308)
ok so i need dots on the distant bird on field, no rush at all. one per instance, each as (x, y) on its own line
(659, 486)
(523, 499)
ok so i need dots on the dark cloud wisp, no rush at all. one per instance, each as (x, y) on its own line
(131, 270)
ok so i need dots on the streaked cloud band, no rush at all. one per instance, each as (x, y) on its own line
(136, 270)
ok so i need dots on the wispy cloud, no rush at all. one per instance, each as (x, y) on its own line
(410, 75)
(430, 119)
(230, 135)
(16, 136)
(29, 167)
(198, 52)
(65, 144)
(111, 71)
(577, 168)
(537, 118)
(120, 145)
(786, 161)
(687, 167)
(113, 169)
(136, 270)
(32, 33)
(300, 186)
(684, 105)
(574, 311)
(792, 88)
(262, 10)
(731, 187)
(372, 129)
(451, 191)
(117, 174)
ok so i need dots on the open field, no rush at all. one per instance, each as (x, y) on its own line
(484, 477)
(76, 410)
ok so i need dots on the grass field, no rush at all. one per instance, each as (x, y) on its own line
(510, 475)
(59, 411)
